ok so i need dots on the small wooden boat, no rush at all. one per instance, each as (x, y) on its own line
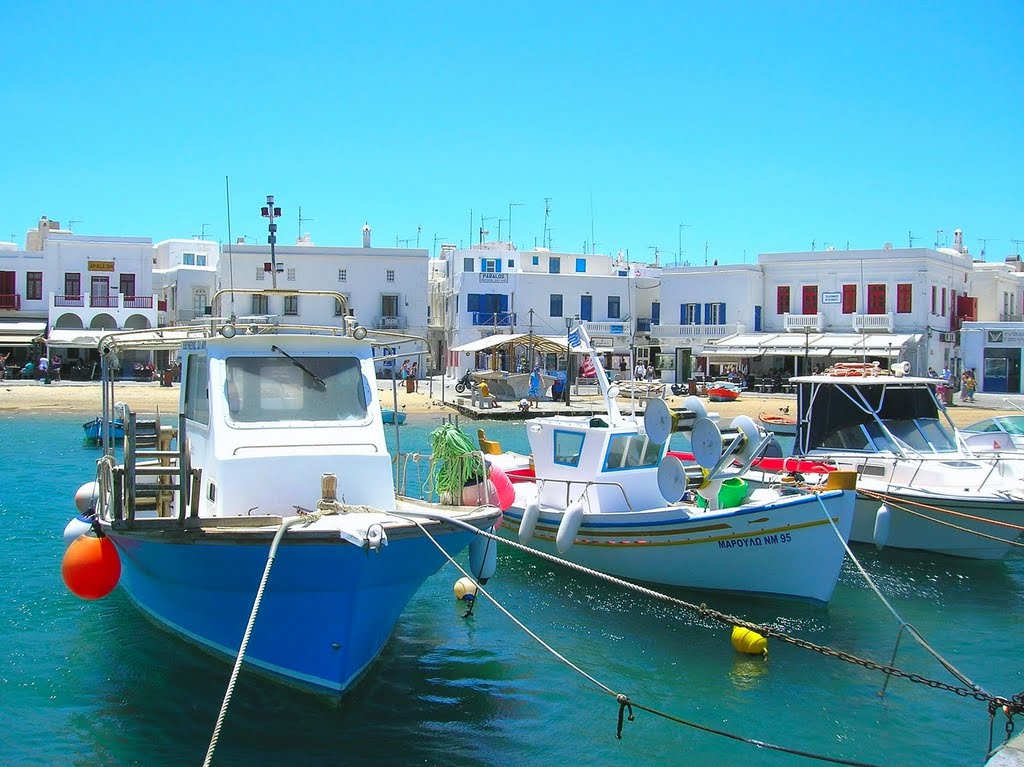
(723, 391)
(94, 430)
(780, 423)
(389, 415)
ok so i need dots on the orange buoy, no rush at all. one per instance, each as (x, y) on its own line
(503, 487)
(91, 567)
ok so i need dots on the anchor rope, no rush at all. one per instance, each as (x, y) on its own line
(1016, 704)
(960, 676)
(624, 701)
(304, 519)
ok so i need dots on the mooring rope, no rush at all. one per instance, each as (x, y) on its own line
(625, 702)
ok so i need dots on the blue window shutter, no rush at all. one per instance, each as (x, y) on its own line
(656, 313)
(473, 302)
(503, 303)
(721, 313)
(497, 265)
(707, 314)
(682, 314)
(757, 319)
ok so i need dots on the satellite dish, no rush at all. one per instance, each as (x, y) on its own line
(706, 442)
(751, 437)
(657, 421)
(695, 406)
(671, 478)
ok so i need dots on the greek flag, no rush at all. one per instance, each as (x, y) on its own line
(579, 341)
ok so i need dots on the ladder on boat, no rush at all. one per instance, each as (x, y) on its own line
(155, 478)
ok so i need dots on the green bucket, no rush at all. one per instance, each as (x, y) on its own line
(732, 493)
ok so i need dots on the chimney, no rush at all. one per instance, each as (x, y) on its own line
(366, 235)
(958, 241)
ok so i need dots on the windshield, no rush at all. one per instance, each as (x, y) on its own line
(925, 435)
(267, 389)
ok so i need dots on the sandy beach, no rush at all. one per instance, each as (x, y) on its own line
(85, 397)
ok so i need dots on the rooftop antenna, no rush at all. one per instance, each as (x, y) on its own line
(419, 231)
(814, 244)
(681, 227)
(74, 221)
(705, 254)
(302, 220)
(1016, 244)
(483, 222)
(911, 237)
(202, 231)
(657, 252)
(510, 206)
(592, 248)
(984, 244)
(437, 239)
(937, 233)
(546, 238)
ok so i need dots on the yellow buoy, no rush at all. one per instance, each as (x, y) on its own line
(465, 589)
(749, 642)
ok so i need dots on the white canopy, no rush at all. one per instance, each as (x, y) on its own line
(20, 332)
(541, 343)
(816, 344)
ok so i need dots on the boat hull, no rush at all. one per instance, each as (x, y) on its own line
(328, 609)
(94, 431)
(908, 531)
(786, 548)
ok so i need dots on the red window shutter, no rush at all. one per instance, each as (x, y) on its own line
(904, 298)
(810, 299)
(782, 299)
(849, 299)
(876, 299)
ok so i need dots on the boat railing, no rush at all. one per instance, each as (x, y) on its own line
(414, 476)
(921, 461)
(586, 486)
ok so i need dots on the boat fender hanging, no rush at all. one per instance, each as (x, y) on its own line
(883, 519)
(572, 518)
(503, 488)
(483, 557)
(749, 642)
(91, 567)
(76, 528)
(529, 521)
(85, 497)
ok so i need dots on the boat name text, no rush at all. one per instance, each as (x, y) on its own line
(762, 540)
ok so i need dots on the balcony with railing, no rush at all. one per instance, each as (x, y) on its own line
(387, 322)
(801, 322)
(105, 302)
(613, 328)
(495, 319)
(702, 332)
(10, 301)
(65, 301)
(874, 323)
(1006, 317)
(137, 302)
(643, 324)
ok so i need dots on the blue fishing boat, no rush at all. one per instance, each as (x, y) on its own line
(94, 430)
(390, 416)
(277, 506)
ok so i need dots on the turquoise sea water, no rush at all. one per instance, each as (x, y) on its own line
(97, 684)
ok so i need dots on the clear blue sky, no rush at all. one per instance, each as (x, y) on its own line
(762, 125)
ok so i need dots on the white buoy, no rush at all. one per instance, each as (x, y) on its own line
(572, 518)
(883, 518)
(483, 557)
(529, 521)
(86, 496)
(75, 529)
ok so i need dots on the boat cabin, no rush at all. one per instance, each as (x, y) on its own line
(576, 454)
(879, 414)
(267, 414)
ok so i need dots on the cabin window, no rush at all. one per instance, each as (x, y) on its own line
(631, 451)
(568, 446)
(269, 389)
(197, 393)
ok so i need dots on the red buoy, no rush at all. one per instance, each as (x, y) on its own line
(91, 567)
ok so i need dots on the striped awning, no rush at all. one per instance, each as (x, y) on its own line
(21, 332)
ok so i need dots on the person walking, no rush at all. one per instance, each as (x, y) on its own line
(639, 372)
(414, 374)
(533, 393)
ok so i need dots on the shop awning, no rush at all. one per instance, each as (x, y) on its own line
(21, 332)
(76, 338)
(813, 344)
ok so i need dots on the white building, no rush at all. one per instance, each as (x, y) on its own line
(385, 288)
(793, 311)
(78, 286)
(185, 278)
(992, 346)
(491, 288)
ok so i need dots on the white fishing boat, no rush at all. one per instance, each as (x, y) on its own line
(1000, 433)
(606, 496)
(917, 486)
(280, 460)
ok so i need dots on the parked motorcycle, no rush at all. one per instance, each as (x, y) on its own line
(464, 383)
